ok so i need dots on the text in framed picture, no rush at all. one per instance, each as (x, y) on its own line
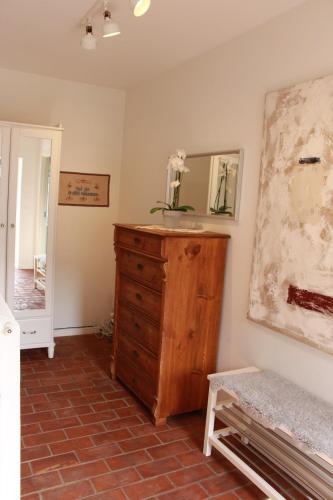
(86, 190)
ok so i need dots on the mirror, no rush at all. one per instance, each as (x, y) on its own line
(212, 185)
(33, 181)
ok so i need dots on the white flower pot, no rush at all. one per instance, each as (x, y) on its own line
(172, 218)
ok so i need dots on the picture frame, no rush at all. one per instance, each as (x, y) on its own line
(84, 190)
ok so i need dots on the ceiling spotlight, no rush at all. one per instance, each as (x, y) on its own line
(110, 28)
(139, 7)
(88, 41)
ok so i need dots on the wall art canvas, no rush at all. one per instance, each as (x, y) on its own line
(292, 276)
(89, 190)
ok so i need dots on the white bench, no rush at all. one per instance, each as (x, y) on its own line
(275, 417)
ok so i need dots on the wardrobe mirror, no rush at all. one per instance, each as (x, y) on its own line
(32, 200)
(212, 185)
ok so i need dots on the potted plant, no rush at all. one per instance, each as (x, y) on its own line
(177, 169)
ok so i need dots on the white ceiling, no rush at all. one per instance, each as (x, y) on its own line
(43, 36)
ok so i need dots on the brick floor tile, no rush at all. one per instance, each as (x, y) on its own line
(167, 450)
(138, 443)
(226, 496)
(53, 463)
(192, 457)
(70, 445)
(173, 435)
(98, 417)
(144, 429)
(60, 423)
(64, 394)
(84, 471)
(38, 398)
(25, 469)
(72, 412)
(115, 479)
(148, 488)
(52, 405)
(119, 423)
(191, 492)
(111, 436)
(34, 453)
(35, 483)
(128, 459)
(128, 411)
(84, 430)
(116, 395)
(108, 495)
(26, 409)
(44, 438)
(224, 482)
(33, 496)
(87, 400)
(32, 418)
(104, 451)
(158, 467)
(44, 390)
(30, 429)
(69, 492)
(190, 474)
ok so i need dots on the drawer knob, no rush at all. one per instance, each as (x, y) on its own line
(137, 326)
(138, 296)
(137, 240)
(135, 353)
(140, 267)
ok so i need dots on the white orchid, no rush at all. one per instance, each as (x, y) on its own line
(181, 154)
(176, 163)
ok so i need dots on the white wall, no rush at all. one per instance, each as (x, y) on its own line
(92, 117)
(216, 103)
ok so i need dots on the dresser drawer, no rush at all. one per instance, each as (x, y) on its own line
(35, 331)
(141, 241)
(141, 268)
(144, 299)
(136, 379)
(138, 356)
(139, 329)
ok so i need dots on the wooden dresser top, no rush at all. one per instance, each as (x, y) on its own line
(160, 231)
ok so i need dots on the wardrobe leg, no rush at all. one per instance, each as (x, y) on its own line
(50, 351)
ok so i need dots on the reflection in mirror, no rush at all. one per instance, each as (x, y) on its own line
(33, 180)
(212, 186)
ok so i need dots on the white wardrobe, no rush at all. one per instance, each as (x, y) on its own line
(29, 176)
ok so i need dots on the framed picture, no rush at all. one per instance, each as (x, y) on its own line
(86, 190)
(292, 275)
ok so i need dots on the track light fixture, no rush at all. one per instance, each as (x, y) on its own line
(88, 41)
(139, 7)
(110, 28)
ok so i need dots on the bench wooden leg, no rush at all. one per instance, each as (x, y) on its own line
(210, 420)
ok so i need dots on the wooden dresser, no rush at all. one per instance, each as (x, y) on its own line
(167, 314)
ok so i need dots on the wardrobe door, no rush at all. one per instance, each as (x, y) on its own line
(33, 185)
(4, 169)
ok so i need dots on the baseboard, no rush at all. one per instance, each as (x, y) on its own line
(69, 332)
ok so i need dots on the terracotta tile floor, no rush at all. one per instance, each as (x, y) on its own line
(85, 436)
(26, 296)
